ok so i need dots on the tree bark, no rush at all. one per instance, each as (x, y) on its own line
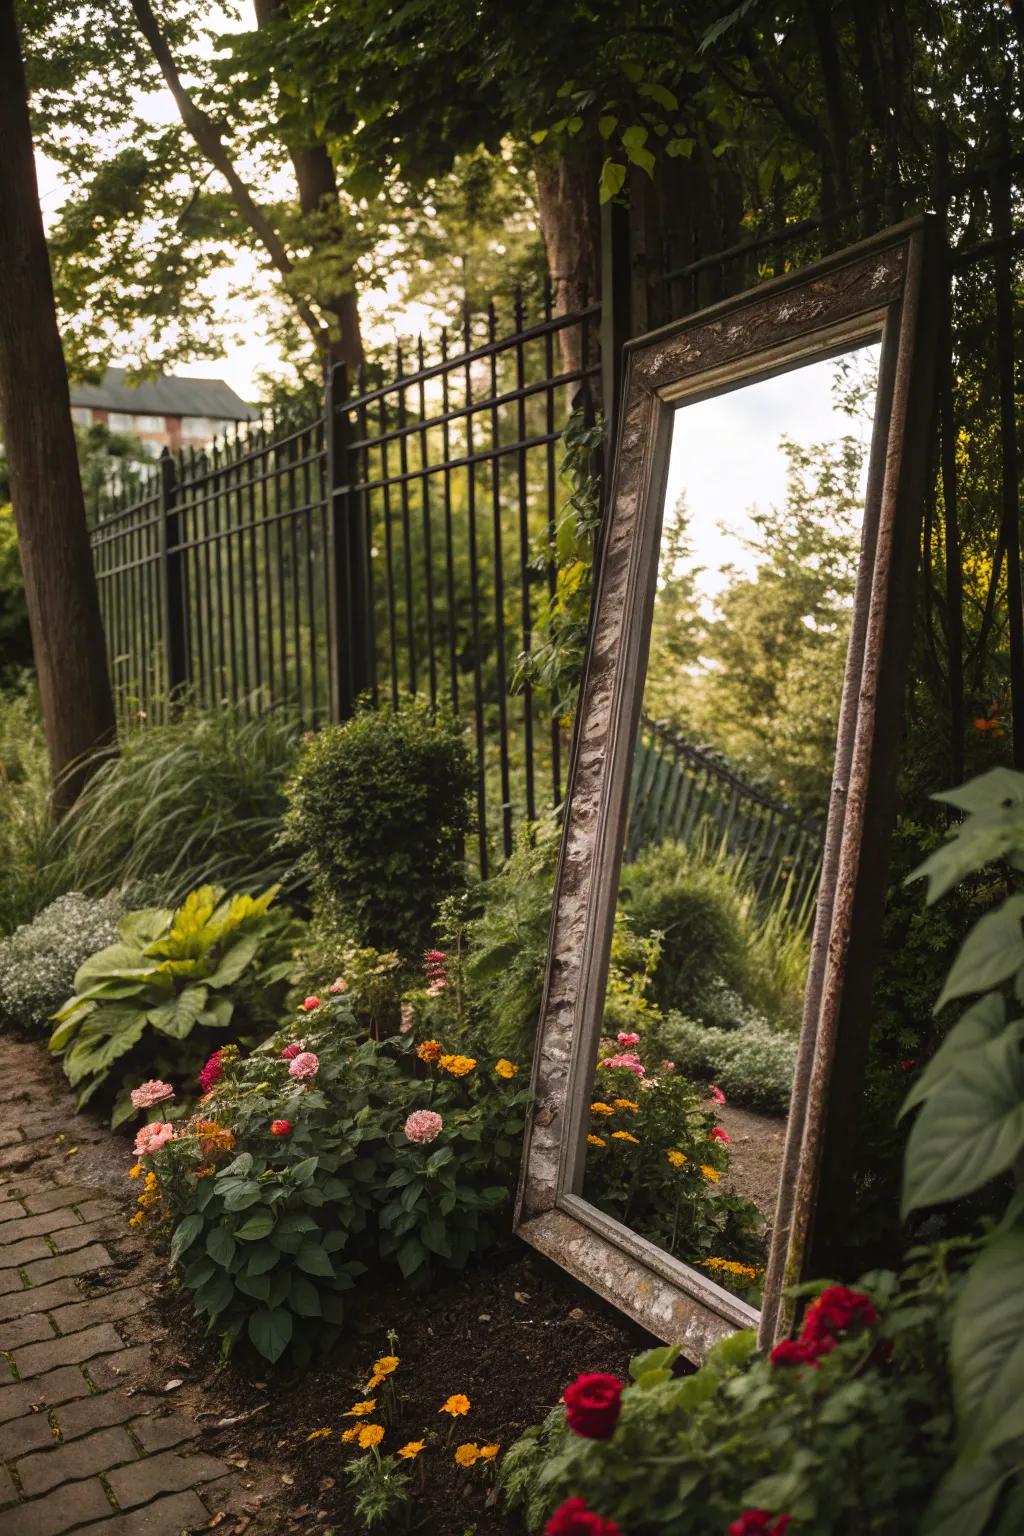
(46, 487)
(318, 193)
(570, 226)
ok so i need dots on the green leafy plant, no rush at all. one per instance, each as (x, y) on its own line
(28, 879)
(153, 1002)
(378, 809)
(753, 1064)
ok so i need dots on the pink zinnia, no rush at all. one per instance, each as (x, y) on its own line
(423, 1125)
(668, 1066)
(281, 1128)
(625, 1038)
(152, 1137)
(309, 1004)
(305, 1065)
(628, 1059)
(153, 1092)
(339, 984)
(719, 1135)
(211, 1073)
(291, 1051)
(717, 1094)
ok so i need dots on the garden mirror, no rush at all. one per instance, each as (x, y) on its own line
(723, 848)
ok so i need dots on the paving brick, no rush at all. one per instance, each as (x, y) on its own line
(19, 1436)
(39, 1299)
(76, 1347)
(10, 1137)
(10, 1280)
(164, 1517)
(108, 1371)
(10, 1210)
(55, 1387)
(96, 1412)
(97, 1210)
(17, 1255)
(38, 1226)
(24, 1330)
(67, 1463)
(17, 1158)
(78, 1263)
(80, 1237)
(48, 1199)
(65, 1507)
(8, 1492)
(98, 1309)
(161, 1431)
(168, 1472)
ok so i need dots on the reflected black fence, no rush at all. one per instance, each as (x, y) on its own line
(683, 793)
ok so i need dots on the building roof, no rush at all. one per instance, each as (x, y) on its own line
(163, 396)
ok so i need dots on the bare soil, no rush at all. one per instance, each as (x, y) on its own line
(755, 1164)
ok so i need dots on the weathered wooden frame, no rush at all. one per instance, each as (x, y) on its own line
(877, 289)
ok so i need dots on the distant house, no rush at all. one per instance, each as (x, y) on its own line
(163, 413)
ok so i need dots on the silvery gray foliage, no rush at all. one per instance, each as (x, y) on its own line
(752, 1064)
(39, 960)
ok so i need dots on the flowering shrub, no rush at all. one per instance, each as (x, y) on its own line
(158, 999)
(39, 960)
(310, 1165)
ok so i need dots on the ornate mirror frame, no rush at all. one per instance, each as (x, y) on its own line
(881, 288)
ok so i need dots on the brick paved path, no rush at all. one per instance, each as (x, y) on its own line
(86, 1444)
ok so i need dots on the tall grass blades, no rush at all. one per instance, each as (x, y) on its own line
(28, 879)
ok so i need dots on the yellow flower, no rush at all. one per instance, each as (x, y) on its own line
(458, 1066)
(382, 1369)
(467, 1455)
(319, 1434)
(677, 1159)
(353, 1433)
(709, 1172)
(411, 1451)
(730, 1267)
(359, 1410)
(625, 1104)
(150, 1182)
(370, 1435)
(489, 1452)
(429, 1050)
(457, 1404)
(601, 1109)
(596, 1141)
(135, 1172)
(506, 1068)
(625, 1136)
(137, 1219)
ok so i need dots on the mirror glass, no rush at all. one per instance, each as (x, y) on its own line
(758, 557)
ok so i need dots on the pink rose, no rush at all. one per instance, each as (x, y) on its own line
(339, 984)
(627, 1059)
(423, 1125)
(719, 1135)
(628, 1039)
(305, 1066)
(291, 1051)
(153, 1092)
(668, 1066)
(152, 1137)
(717, 1094)
(309, 1004)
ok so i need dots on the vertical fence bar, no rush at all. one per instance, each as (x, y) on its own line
(499, 594)
(175, 638)
(474, 588)
(526, 610)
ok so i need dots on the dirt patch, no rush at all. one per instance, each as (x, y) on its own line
(755, 1163)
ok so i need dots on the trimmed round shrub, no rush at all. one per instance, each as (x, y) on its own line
(378, 810)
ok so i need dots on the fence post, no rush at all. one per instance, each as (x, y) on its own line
(616, 320)
(351, 582)
(175, 636)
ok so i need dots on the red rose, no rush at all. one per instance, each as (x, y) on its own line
(799, 1352)
(573, 1518)
(719, 1135)
(758, 1522)
(281, 1128)
(593, 1403)
(308, 1005)
(291, 1051)
(837, 1310)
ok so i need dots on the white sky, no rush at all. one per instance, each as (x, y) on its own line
(726, 456)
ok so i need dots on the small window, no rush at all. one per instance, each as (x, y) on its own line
(81, 415)
(198, 428)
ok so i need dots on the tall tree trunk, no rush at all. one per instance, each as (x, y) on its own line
(318, 194)
(46, 487)
(570, 226)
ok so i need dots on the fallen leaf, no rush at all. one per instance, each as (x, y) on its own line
(287, 1479)
(174, 1383)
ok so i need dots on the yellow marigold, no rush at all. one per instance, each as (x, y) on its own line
(458, 1066)
(601, 1109)
(457, 1404)
(596, 1141)
(150, 1182)
(370, 1435)
(625, 1104)
(205, 1173)
(319, 1434)
(412, 1450)
(625, 1136)
(137, 1219)
(429, 1050)
(382, 1369)
(360, 1410)
(489, 1452)
(351, 1434)
(467, 1455)
(731, 1267)
(709, 1172)
(214, 1137)
(135, 1172)
(677, 1159)
(506, 1068)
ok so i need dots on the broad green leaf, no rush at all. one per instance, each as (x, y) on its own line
(295, 1221)
(258, 1226)
(178, 1017)
(215, 1295)
(434, 1237)
(411, 1256)
(240, 1166)
(991, 953)
(634, 137)
(982, 1022)
(987, 791)
(680, 148)
(218, 1012)
(607, 125)
(659, 93)
(107, 1034)
(257, 1286)
(971, 1128)
(68, 1019)
(304, 1171)
(261, 1258)
(235, 961)
(185, 1234)
(144, 926)
(312, 1260)
(117, 962)
(197, 1272)
(661, 1358)
(240, 1198)
(220, 1245)
(123, 1109)
(271, 1333)
(987, 1348)
(964, 1500)
(613, 177)
(304, 1297)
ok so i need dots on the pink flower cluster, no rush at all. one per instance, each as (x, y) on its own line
(211, 1073)
(152, 1137)
(304, 1066)
(309, 1005)
(625, 1038)
(717, 1094)
(339, 984)
(423, 1125)
(153, 1092)
(291, 1051)
(719, 1135)
(435, 968)
(628, 1059)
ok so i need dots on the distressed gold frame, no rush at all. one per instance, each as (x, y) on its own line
(878, 289)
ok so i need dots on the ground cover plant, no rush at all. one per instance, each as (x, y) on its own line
(39, 960)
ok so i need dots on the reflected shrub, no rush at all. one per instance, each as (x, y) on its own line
(753, 1064)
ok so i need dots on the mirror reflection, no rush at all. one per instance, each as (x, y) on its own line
(731, 777)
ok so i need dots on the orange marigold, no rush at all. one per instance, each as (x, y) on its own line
(429, 1050)
(457, 1066)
